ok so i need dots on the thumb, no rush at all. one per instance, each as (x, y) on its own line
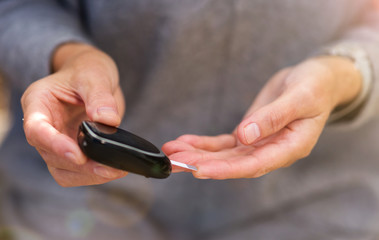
(100, 102)
(267, 121)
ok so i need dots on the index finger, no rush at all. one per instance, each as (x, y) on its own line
(41, 134)
(287, 146)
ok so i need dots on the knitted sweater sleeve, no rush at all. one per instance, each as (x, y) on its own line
(364, 37)
(30, 30)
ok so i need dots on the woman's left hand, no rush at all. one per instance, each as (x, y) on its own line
(282, 125)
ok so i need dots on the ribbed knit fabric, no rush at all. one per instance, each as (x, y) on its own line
(192, 66)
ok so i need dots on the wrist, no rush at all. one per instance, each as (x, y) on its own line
(66, 52)
(362, 64)
(345, 78)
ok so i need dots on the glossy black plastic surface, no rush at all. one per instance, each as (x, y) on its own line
(123, 150)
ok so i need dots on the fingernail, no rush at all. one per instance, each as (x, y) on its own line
(107, 112)
(251, 132)
(104, 172)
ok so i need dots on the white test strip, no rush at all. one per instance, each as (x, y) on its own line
(183, 165)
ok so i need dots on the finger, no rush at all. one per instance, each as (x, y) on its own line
(90, 167)
(188, 147)
(119, 97)
(194, 157)
(72, 179)
(175, 146)
(210, 143)
(56, 161)
(98, 93)
(271, 90)
(238, 167)
(41, 134)
(271, 119)
(187, 157)
(291, 143)
(254, 165)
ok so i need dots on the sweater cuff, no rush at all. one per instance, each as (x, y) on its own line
(363, 64)
(30, 33)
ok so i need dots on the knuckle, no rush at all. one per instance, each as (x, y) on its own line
(312, 97)
(274, 120)
(308, 95)
(29, 132)
(89, 75)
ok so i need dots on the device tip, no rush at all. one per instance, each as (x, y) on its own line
(183, 165)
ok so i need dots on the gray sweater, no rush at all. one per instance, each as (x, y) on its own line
(193, 66)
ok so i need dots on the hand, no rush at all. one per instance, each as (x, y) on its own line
(84, 86)
(282, 125)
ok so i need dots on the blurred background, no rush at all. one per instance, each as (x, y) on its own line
(4, 109)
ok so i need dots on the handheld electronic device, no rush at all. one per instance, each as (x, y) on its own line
(124, 150)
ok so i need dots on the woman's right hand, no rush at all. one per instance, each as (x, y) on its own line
(84, 85)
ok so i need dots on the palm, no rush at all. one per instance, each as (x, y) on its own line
(84, 86)
(67, 115)
(227, 158)
(290, 120)
(59, 107)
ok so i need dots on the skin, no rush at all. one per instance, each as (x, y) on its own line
(281, 126)
(287, 116)
(84, 86)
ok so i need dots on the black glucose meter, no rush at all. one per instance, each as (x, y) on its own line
(123, 150)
